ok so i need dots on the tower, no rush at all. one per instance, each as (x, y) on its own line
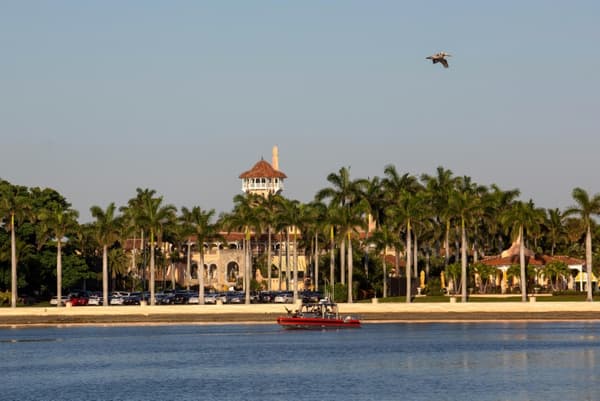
(264, 178)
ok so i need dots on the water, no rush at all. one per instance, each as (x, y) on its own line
(512, 361)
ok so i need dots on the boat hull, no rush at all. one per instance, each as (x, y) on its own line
(317, 323)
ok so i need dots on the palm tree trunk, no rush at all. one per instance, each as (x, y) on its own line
(408, 262)
(295, 268)
(316, 262)
(13, 263)
(415, 256)
(188, 265)
(201, 277)
(58, 272)
(447, 244)
(105, 275)
(343, 260)
(463, 262)
(287, 259)
(384, 274)
(350, 269)
(152, 300)
(269, 258)
(280, 251)
(332, 263)
(588, 262)
(522, 262)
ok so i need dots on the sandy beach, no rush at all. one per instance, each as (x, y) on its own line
(267, 313)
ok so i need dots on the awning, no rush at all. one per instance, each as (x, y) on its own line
(582, 276)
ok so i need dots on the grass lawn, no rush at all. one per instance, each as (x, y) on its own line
(512, 298)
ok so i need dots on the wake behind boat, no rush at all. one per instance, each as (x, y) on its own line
(321, 315)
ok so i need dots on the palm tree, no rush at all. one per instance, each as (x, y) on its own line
(350, 218)
(58, 221)
(585, 208)
(292, 214)
(107, 230)
(441, 186)
(204, 230)
(14, 205)
(405, 206)
(269, 206)
(521, 218)
(555, 228)
(343, 192)
(557, 270)
(244, 218)
(152, 215)
(464, 204)
(383, 238)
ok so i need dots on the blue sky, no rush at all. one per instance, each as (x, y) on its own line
(99, 98)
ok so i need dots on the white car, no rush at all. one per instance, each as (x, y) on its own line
(118, 298)
(54, 300)
(194, 299)
(95, 300)
(284, 298)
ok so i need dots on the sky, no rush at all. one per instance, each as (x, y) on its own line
(98, 98)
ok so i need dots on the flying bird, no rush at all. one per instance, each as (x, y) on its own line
(440, 58)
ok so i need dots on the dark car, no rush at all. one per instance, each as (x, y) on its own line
(310, 297)
(78, 298)
(181, 297)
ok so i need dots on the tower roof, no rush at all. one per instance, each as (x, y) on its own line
(262, 169)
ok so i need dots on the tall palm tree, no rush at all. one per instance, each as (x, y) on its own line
(269, 207)
(152, 216)
(204, 230)
(349, 219)
(586, 207)
(343, 192)
(14, 205)
(401, 191)
(383, 238)
(244, 218)
(441, 186)
(521, 218)
(107, 229)
(292, 214)
(465, 204)
(57, 222)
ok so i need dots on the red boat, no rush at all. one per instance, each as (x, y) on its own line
(321, 315)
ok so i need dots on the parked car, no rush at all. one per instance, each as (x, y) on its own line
(210, 299)
(194, 299)
(54, 300)
(95, 299)
(236, 297)
(284, 298)
(134, 298)
(118, 298)
(78, 298)
(181, 297)
(309, 297)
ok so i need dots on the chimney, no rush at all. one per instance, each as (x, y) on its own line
(275, 158)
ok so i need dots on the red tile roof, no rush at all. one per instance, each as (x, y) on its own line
(262, 169)
(511, 260)
(565, 259)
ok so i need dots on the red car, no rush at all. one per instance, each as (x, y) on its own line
(78, 298)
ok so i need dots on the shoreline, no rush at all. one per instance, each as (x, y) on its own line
(372, 313)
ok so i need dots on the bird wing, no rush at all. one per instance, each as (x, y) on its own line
(444, 62)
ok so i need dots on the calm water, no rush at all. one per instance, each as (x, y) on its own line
(516, 361)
